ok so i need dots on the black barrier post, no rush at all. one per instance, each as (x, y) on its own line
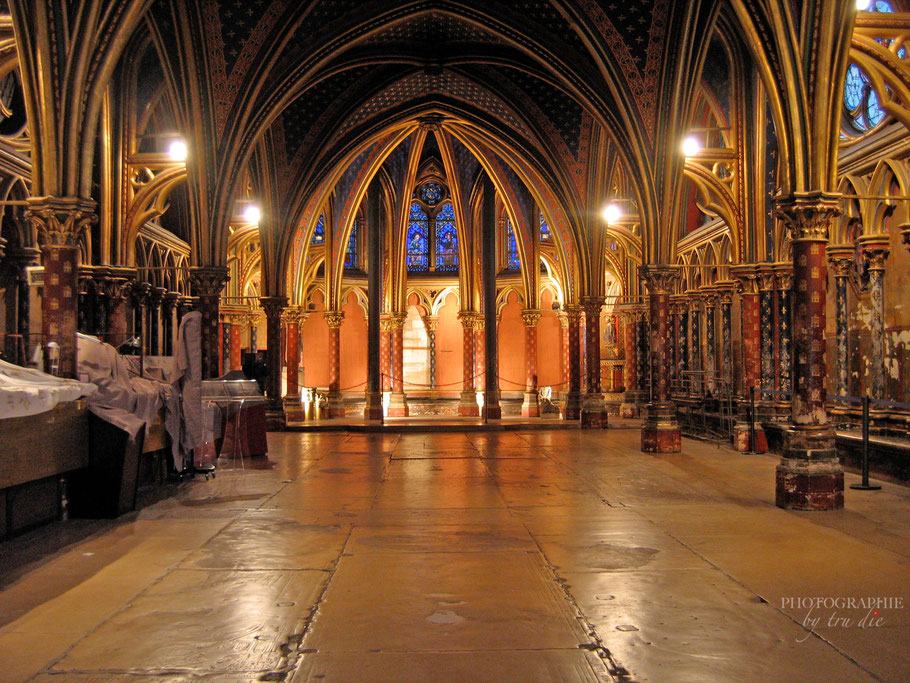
(865, 486)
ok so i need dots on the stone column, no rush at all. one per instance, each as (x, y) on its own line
(237, 323)
(809, 476)
(682, 344)
(750, 318)
(875, 251)
(643, 340)
(207, 283)
(660, 430)
(20, 259)
(573, 398)
(59, 223)
(593, 410)
(118, 289)
(156, 295)
(168, 306)
(695, 303)
(766, 280)
(385, 353)
(372, 409)
(673, 310)
(468, 403)
(842, 260)
(273, 307)
(225, 363)
(292, 318)
(185, 304)
(629, 407)
(398, 401)
(492, 409)
(530, 407)
(335, 402)
(430, 322)
(101, 278)
(725, 299)
(709, 294)
(480, 361)
(139, 295)
(564, 345)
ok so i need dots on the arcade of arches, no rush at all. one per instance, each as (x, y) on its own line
(445, 207)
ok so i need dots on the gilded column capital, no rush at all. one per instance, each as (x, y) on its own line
(208, 281)
(592, 306)
(156, 296)
(746, 278)
(573, 314)
(808, 215)
(60, 221)
(395, 321)
(273, 305)
(659, 279)
(430, 322)
(842, 259)
(766, 277)
(169, 300)
(469, 319)
(333, 318)
(563, 320)
(875, 250)
(140, 292)
(531, 317)
(709, 295)
(725, 291)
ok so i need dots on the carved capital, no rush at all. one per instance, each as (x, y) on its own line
(208, 281)
(725, 291)
(563, 320)
(746, 279)
(766, 278)
(875, 250)
(592, 306)
(659, 279)
(573, 314)
(273, 306)
(808, 216)
(709, 295)
(60, 221)
(156, 296)
(531, 317)
(395, 321)
(140, 292)
(430, 322)
(169, 301)
(842, 260)
(783, 276)
(333, 318)
(470, 319)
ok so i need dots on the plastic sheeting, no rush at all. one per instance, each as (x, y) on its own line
(25, 392)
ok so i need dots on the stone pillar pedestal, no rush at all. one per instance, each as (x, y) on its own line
(273, 307)
(207, 283)
(398, 401)
(593, 411)
(809, 476)
(747, 279)
(530, 407)
(335, 402)
(573, 397)
(467, 405)
(660, 430)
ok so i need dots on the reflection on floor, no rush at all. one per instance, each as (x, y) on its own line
(512, 556)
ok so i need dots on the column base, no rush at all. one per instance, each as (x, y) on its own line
(809, 476)
(660, 431)
(593, 412)
(293, 409)
(491, 410)
(334, 407)
(275, 420)
(530, 406)
(572, 410)
(467, 407)
(741, 440)
(372, 409)
(398, 404)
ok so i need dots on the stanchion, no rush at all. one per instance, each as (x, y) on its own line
(865, 486)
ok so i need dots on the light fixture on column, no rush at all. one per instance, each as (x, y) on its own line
(611, 213)
(251, 214)
(177, 150)
(691, 146)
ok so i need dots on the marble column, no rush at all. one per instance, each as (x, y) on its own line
(694, 355)
(101, 277)
(783, 359)
(59, 224)
(118, 290)
(139, 296)
(766, 280)
(809, 476)
(593, 410)
(225, 361)
(674, 340)
(725, 300)
(875, 250)
(168, 306)
(842, 260)
(629, 407)
(643, 353)
(750, 324)
(273, 306)
(156, 295)
(292, 318)
(430, 322)
(480, 361)
(372, 409)
(564, 355)
(335, 401)
(467, 406)
(385, 353)
(573, 397)
(492, 409)
(237, 323)
(19, 260)
(207, 283)
(398, 401)
(709, 295)
(682, 323)
(660, 430)
(530, 407)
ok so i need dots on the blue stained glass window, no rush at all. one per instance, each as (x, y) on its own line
(545, 235)
(431, 193)
(319, 231)
(350, 256)
(446, 239)
(512, 262)
(861, 101)
(418, 256)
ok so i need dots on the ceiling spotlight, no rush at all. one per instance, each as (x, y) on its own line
(177, 150)
(252, 215)
(612, 213)
(691, 146)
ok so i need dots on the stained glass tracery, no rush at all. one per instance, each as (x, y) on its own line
(431, 193)
(350, 255)
(446, 239)
(545, 235)
(319, 231)
(512, 262)
(861, 102)
(418, 256)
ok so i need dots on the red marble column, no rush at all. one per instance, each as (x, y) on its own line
(335, 403)
(809, 476)
(385, 354)
(398, 401)
(660, 430)
(480, 359)
(573, 398)
(60, 223)
(236, 325)
(629, 407)
(292, 351)
(467, 406)
(207, 283)
(530, 406)
(593, 411)
(750, 317)
(564, 325)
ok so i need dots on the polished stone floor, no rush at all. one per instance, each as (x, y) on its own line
(497, 556)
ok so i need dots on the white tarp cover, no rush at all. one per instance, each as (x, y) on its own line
(25, 392)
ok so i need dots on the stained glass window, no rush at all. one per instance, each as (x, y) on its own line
(545, 235)
(862, 102)
(418, 257)
(319, 231)
(431, 193)
(350, 256)
(446, 239)
(512, 262)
